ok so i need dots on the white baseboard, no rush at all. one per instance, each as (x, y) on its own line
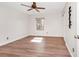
(4, 43)
(69, 49)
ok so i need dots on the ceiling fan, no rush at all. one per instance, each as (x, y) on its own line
(33, 6)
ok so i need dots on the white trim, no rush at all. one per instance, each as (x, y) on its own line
(68, 47)
(14, 40)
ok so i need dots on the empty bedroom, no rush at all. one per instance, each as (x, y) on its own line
(37, 29)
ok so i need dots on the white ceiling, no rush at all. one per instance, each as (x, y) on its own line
(51, 7)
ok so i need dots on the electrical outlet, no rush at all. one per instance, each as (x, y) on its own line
(7, 38)
(73, 49)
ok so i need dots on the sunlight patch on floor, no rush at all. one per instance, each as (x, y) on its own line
(37, 39)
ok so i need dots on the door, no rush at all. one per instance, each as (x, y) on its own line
(70, 28)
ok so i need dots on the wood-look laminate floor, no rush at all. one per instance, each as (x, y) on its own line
(49, 47)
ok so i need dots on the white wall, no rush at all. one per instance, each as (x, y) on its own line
(13, 24)
(78, 28)
(69, 33)
(77, 18)
(53, 25)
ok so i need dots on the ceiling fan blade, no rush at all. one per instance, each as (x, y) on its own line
(40, 8)
(29, 9)
(37, 10)
(25, 5)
